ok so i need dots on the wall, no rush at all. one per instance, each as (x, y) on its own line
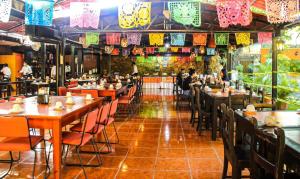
(15, 63)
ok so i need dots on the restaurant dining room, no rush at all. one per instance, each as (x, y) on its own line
(150, 89)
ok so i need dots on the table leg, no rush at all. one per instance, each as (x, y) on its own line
(57, 149)
(214, 120)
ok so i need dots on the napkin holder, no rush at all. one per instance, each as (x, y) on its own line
(43, 99)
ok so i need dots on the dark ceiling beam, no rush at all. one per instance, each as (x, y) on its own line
(16, 13)
(165, 31)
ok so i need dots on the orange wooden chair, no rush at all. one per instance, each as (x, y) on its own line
(3, 101)
(111, 117)
(127, 101)
(94, 93)
(62, 91)
(17, 138)
(79, 139)
(72, 85)
(74, 82)
(13, 98)
(101, 119)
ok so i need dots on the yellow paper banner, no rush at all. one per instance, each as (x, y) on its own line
(243, 38)
(156, 39)
(174, 49)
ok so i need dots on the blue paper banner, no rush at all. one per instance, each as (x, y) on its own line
(39, 12)
(177, 39)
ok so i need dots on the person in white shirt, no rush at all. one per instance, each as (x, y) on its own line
(135, 69)
(53, 72)
(6, 72)
(68, 70)
(26, 70)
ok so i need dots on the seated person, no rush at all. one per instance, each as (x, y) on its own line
(187, 81)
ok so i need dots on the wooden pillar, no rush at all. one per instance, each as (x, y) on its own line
(72, 64)
(109, 64)
(276, 34)
(58, 74)
(44, 59)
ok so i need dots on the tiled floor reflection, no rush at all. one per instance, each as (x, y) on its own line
(158, 142)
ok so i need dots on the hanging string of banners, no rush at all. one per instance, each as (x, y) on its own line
(177, 39)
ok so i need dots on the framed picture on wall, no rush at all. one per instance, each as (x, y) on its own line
(210, 51)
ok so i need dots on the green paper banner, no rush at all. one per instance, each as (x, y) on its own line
(91, 38)
(221, 38)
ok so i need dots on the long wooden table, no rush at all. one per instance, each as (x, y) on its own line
(289, 121)
(44, 116)
(214, 101)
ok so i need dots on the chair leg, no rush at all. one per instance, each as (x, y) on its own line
(47, 163)
(236, 172)
(34, 161)
(199, 126)
(10, 166)
(116, 132)
(225, 168)
(97, 152)
(77, 151)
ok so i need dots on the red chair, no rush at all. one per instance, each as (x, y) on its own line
(94, 93)
(74, 90)
(73, 83)
(13, 98)
(17, 138)
(102, 118)
(79, 139)
(111, 117)
(72, 86)
(3, 101)
(62, 91)
(127, 101)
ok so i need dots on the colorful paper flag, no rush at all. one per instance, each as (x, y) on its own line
(243, 38)
(113, 38)
(87, 14)
(156, 39)
(39, 12)
(221, 38)
(199, 39)
(5, 8)
(177, 39)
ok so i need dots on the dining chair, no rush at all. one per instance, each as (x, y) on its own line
(202, 108)
(236, 101)
(62, 91)
(3, 100)
(74, 90)
(13, 98)
(262, 104)
(79, 139)
(267, 154)
(73, 83)
(93, 93)
(101, 119)
(237, 155)
(16, 138)
(126, 101)
(111, 118)
(193, 107)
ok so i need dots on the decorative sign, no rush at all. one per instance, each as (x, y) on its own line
(199, 39)
(108, 49)
(156, 39)
(162, 49)
(186, 13)
(264, 37)
(115, 51)
(150, 50)
(5, 7)
(87, 14)
(280, 11)
(113, 38)
(177, 39)
(124, 42)
(39, 12)
(134, 38)
(221, 38)
(134, 14)
(186, 50)
(174, 49)
(243, 38)
(198, 59)
(125, 52)
(233, 12)
(91, 38)
(210, 51)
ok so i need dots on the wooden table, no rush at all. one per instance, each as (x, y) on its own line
(214, 101)
(113, 93)
(289, 121)
(44, 116)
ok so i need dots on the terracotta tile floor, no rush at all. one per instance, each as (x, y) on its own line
(157, 142)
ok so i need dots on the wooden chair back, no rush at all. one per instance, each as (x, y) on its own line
(236, 101)
(228, 134)
(267, 154)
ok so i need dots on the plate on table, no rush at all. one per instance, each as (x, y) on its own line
(16, 112)
(91, 99)
(58, 109)
(18, 102)
(72, 103)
